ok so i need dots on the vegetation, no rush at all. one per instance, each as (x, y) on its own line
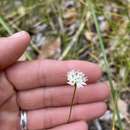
(93, 30)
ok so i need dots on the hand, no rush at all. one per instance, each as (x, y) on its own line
(40, 88)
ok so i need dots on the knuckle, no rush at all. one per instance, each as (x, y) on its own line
(6, 88)
(107, 90)
(41, 74)
(20, 101)
(48, 98)
(103, 108)
(48, 119)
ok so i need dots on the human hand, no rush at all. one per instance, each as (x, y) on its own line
(40, 88)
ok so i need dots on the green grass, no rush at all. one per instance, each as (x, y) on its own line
(111, 47)
(101, 43)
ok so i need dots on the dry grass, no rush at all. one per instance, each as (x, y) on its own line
(71, 27)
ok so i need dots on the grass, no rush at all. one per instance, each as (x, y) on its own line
(113, 91)
(10, 32)
(81, 36)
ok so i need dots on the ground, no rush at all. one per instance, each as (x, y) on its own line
(66, 29)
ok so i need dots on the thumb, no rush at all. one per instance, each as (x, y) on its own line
(11, 48)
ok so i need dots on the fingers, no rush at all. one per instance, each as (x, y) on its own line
(6, 89)
(28, 75)
(73, 126)
(48, 118)
(11, 48)
(61, 96)
(9, 115)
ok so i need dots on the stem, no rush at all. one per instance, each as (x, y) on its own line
(10, 32)
(101, 43)
(5, 26)
(74, 40)
(72, 102)
(75, 37)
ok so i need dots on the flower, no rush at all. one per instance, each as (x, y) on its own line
(76, 78)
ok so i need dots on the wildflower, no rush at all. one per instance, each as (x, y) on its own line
(76, 78)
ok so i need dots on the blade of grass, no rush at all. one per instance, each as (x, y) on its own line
(32, 45)
(10, 32)
(66, 51)
(72, 42)
(5, 26)
(101, 43)
(71, 106)
(76, 36)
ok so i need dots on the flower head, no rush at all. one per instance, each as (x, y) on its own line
(76, 78)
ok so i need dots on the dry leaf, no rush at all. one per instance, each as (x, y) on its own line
(122, 105)
(22, 58)
(70, 13)
(89, 35)
(51, 49)
(70, 16)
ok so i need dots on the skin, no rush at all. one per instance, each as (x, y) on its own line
(40, 88)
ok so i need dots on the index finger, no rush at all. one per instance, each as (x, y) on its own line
(26, 75)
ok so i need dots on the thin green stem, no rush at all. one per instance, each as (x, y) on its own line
(74, 40)
(71, 106)
(32, 45)
(5, 26)
(75, 37)
(10, 32)
(101, 43)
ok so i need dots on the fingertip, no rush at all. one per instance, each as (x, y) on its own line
(100, 109)
(22, 35)
(104, 90)
(97, 70)
(83, 125)
(12, 48)
(19, 34)
(80, 125)
(107, 90)
(26, 35)
(103, 106)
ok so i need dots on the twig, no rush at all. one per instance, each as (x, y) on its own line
(71, 106)
(10, 32)
(34, 47)
(5, 26)
(74, 40)
(101, 43)
(97, 124)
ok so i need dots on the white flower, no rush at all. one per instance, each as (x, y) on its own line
(76, 78)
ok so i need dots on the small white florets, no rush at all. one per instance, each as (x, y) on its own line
(76, 78)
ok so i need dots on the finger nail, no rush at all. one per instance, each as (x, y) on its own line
(18, 34)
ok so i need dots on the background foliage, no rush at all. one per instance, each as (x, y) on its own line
(65, 29)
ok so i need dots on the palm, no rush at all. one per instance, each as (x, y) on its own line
(39, 87)
(9, 110)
